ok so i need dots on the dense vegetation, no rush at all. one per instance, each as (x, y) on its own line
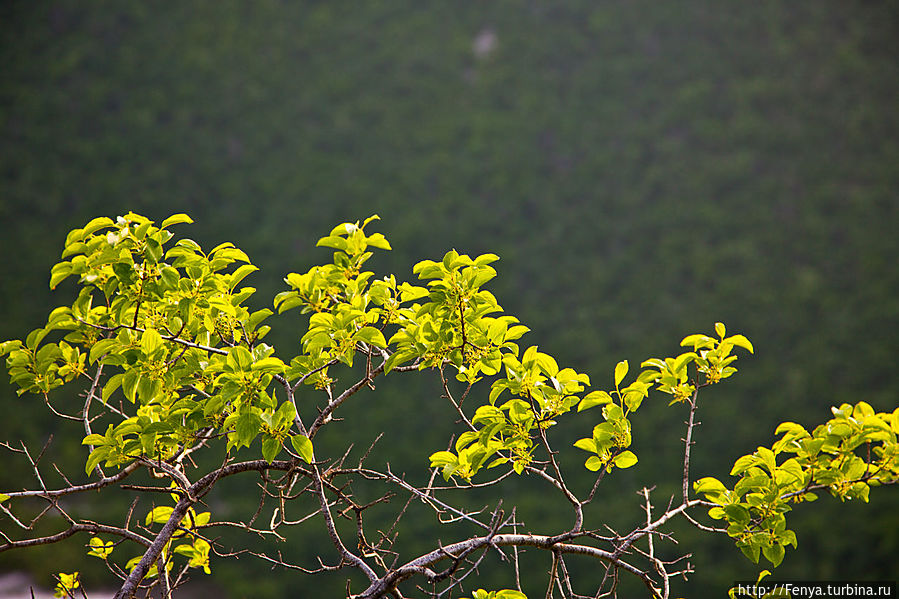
(640, 169)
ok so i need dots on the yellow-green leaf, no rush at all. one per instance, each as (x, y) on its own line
(379, 241)
(697, 341)
(709, 484)
(620, 372)
(303, 446)
(94, 439)
(371, 336)
(159, 514)
(176, 219)
(333, 241)
(594, 398)
(625, 459)
(594, 463)
(741, 341)
(95, 225)
(150, 341)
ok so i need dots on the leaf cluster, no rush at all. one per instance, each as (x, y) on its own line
(847, 455)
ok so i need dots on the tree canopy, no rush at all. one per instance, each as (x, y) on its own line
(182, 393)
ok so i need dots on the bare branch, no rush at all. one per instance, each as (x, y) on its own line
(76, 528)
(103, 482)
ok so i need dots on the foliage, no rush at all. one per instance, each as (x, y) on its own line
(177, 368)
(755, 509)
(67, 584)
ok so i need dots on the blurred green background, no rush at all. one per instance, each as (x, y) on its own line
(643, 169)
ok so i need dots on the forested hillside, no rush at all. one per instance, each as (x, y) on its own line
(643, 170)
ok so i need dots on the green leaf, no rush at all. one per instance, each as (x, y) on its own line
(789, 473)
(187, 550)
(449, 258)
(176, 219)
(74, 249)
(95, 225)
(498, 462)
(774, 553)
(586, 445)
(768, 458)
(442, 458)
(516, 332)
(681, 361)
(716, 513)
(303, 446)
(379, 241)
(93, 439)
(398, 358)
(482, 275)
(410, 293)
(620, 372)
(759, 483)
(740, 341)
(114, 382)
(67, 584)
(788, 537)
(371, 218)
(633, 399)
(287, 300)
(96, 456)
(625, 459)
(743, 464)
(270, 448)
(75, 235)
(150, 341)
(100, 548)
(737, 513)
(371, 336)
(791, 428)
(612, 412)
(248, 426)
(169, 277)
(242, 295)
(484, 259)
(147, 389)
(257, 317)
(333, 241)
(547, 364)
(14, 344)
(720, 329)
(751, 551)
(59, 273)
(270, 364)
(594, 398)
(159, 515)
(697, 341)
(284, 415)
(593, 463)
(101, 348)
(140, 232)
(240, 358)
(240, 274)
(709, 484)
(153, 251)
